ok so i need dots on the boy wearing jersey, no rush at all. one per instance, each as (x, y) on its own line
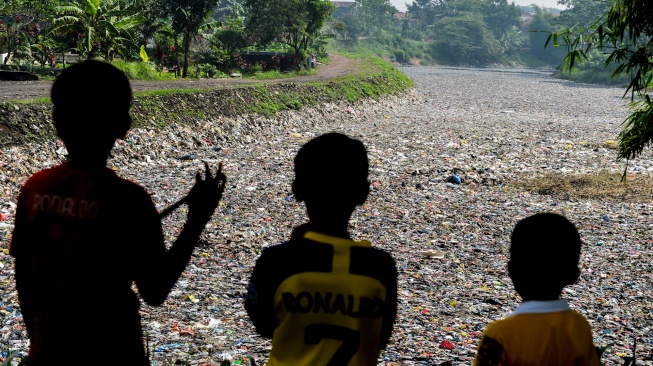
(83, 235)
(542, 330)
(323, 298)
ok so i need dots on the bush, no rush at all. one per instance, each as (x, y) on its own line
(594, 71)
(137, 70)
(256, 68)
(42, 72)
(125, 67)
(145, 71)
(208, 70)
(400, 56)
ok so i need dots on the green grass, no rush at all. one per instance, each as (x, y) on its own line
(144, 93)
(163, 92)
(595, 75)
(141, 70)
(413, 51)
(43, 100)
(325, 60)
(268, 75)
(147, 71)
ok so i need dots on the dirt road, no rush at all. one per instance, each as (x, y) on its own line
(339, 66)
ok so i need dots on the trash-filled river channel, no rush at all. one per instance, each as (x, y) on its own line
(491, 129)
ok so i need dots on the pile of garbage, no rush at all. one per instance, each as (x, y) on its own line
(444, 160)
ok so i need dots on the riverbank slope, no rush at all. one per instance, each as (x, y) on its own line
(348, 80)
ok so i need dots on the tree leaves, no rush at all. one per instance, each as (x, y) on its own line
(143, 54)
(293, 22)
(91, 8)
(102, 26)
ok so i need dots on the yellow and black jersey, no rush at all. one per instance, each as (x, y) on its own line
(538, 333)
(323, 300)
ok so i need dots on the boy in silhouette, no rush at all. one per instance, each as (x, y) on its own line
(83, 235)
(542, 330)
(323, 298)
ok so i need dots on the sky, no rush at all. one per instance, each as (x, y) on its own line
(401, 4)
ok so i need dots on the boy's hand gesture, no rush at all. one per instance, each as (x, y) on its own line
(205, 195)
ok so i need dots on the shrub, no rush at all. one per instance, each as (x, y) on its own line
(137, 70)
(256, 68)
(145, 71)
(208, 70)
(125, 67)
(400, 56)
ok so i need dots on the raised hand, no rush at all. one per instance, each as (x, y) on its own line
(205, 195)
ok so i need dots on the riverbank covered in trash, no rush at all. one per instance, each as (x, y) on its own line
(491, 129)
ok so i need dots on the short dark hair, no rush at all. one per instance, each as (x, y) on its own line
(332, 166)
(91, 97)
(544, 253)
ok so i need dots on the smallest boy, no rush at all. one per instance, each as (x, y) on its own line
(542, 330)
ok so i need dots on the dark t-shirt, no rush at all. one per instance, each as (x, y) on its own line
(84, 237)
(323, 300)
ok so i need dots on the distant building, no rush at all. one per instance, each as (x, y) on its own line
(400, 15)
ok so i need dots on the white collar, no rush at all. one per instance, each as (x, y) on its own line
(541, 307)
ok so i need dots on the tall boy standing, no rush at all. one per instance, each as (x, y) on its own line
(323, 298)
(542, 330)
(83, 235)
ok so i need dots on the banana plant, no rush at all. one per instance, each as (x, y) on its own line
(102, 26)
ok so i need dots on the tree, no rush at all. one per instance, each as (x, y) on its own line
(625, 32)
(581, 13)
(295, 23)
(228, 38)
(156, 22)
(512, 41)
(464, 39)
(502, 17)
(103, 27)
(25, 20)
(27, 7)
(542, 24)
(472, 6)
(340, 27)
(426, 11)
(188, 16)
(232, 35)
(229, 9)
(375, 16)
(353, 26)
(30, 10)
(14, 38)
